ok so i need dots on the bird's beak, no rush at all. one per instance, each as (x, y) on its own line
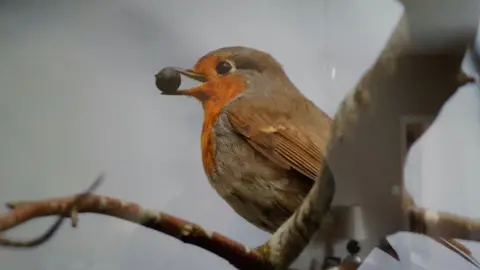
(198, 92)
(191, 74)
(168, 80)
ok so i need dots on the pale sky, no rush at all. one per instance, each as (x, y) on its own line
(78, 98)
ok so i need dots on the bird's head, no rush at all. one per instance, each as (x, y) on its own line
(223, 73)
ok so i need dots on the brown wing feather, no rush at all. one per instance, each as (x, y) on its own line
(278, 138)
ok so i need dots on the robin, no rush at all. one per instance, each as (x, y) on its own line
(262, 140)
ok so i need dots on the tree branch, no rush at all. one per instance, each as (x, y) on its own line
(443, 227)
(443, 224)
(421, 64)
(293, 236)
(68, 209)
(237, 254)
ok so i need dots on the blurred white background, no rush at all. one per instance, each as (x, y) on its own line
(77, 97)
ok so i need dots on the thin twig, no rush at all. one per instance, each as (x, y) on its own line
(69, 209)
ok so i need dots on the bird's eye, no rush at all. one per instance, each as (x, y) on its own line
(223, 67)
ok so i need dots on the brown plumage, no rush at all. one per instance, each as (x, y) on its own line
(262, 140)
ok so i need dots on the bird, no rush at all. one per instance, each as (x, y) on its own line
(263, 141)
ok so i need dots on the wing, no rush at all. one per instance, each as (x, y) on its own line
(293, 139)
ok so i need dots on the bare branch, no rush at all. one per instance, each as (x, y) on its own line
(293, 236)
(421, 61)
(237, 254)
(69, 209)
(441, 224)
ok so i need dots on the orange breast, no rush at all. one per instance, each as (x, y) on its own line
(220, 93)
(208, 157)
